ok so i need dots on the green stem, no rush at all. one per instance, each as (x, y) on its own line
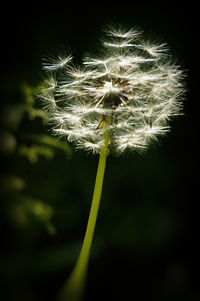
(74, 288)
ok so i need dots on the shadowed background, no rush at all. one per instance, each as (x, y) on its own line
(145, 243)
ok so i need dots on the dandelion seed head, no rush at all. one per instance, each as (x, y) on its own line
(136, 83)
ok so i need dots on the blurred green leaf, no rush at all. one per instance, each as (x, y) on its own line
(34, 151)
(25, 208)
(49, 141)
(29, 102)
(7, 143)
(11, 184)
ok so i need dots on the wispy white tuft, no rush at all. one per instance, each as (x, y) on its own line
(136, 83)
(123, 33)
(53, 62)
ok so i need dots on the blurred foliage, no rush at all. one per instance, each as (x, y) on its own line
(16, 143)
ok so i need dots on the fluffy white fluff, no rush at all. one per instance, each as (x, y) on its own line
(135, 83)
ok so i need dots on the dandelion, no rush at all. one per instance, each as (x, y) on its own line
(118, 102)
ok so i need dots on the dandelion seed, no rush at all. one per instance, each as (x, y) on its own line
(121, 44)
(48, 101)
(122, 32)
(55, 63)
(154, 50)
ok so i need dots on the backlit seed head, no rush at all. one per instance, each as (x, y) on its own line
(135, 83)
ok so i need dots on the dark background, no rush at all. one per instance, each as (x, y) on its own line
(145, 244)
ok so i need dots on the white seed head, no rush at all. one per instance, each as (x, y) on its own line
(135, 83)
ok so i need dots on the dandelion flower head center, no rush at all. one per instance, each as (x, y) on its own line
(109, 88)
